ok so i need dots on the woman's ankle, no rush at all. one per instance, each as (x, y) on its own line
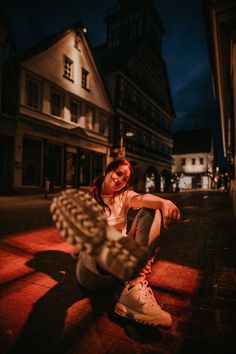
(137, 280)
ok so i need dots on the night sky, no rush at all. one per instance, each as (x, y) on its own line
(184, 47)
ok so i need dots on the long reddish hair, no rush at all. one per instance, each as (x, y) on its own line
(95, 189)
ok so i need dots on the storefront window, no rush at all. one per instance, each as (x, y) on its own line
(53, 163)
(97, 164)
(70, 169)
(90, 165)
(31, 162)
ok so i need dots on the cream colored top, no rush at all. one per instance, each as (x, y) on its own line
(119, 206)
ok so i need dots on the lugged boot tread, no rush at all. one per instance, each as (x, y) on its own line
(79, 219)
(82, 222)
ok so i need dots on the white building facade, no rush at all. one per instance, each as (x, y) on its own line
(62, 115)
(193, 160)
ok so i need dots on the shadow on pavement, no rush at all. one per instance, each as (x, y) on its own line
(46, 320)
(48, 326)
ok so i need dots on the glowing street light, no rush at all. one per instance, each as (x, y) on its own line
(121, 152)
(127, 134)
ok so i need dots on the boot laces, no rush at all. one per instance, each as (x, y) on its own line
(146, 295)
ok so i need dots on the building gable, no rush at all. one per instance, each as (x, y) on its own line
(67, 63)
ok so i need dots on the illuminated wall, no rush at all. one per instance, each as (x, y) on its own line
(188, 166)
(64, 115)
(193, 163)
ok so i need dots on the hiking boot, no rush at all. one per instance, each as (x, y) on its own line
(82, 222)
(139, 304)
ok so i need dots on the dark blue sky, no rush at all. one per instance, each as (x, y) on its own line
(184, 46)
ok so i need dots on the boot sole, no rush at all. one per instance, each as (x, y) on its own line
(125, 312)
(82, 222)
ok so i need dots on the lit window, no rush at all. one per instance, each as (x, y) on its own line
(85, 79)
(56, 103)
(68, 68)
(33, 93)
(89, 119)
(193, 161)
(74, 111)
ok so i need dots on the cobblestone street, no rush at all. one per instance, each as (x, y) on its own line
(43, 309)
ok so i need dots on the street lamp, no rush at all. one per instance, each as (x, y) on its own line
(121, 152)
(128, 134)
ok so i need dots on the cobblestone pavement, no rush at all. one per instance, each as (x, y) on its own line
(43, 309)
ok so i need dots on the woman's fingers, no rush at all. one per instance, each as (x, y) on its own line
(170, 213)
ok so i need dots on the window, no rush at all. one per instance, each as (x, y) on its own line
(193, 161)
(74, 111)
(201, 160)
(53, 162)
(103, 124)
(70, 169)
(68, 68)
(153, 142)
(33, 93)
(31, 162)
(56, 103)
(96, 123)
(85, 79)
(89, 119)
(100, 123)
(90, 165)
(146, 140)
(183, 161)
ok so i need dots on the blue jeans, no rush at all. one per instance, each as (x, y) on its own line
(91, 276)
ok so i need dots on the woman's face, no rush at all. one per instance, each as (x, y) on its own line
(116, 180)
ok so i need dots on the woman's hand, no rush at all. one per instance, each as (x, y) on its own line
(170, 213)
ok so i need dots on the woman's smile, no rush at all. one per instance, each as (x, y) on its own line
(117, 183)
(116, 180)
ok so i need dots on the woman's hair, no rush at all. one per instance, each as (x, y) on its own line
(95, 189)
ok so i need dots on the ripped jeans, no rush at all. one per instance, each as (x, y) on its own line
(90, 275)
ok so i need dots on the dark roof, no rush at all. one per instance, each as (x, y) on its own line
(192, 141)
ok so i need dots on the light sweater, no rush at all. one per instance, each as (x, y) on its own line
(119, 206)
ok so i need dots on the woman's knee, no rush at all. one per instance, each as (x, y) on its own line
(141, 226)
(146, 226)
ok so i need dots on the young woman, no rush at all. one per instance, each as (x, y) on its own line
(97, 225)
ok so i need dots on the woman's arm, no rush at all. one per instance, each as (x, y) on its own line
(170, 212)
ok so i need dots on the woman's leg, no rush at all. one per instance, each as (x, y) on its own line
(91, 276)
(145, 229)
(82, 222)
(137, 300)
(154, 233)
